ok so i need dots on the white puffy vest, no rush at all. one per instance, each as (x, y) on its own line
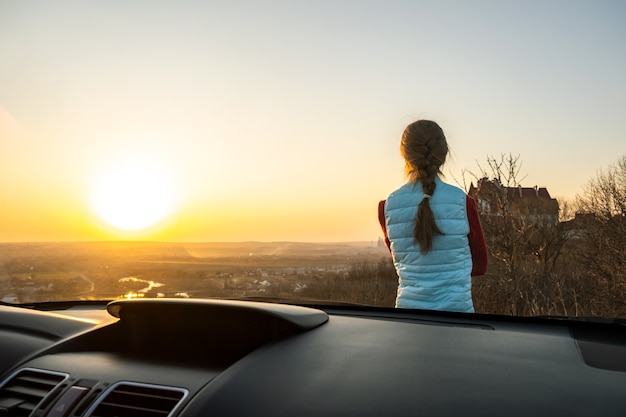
(440, 279)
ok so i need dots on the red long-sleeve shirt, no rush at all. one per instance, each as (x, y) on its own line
(476, 237)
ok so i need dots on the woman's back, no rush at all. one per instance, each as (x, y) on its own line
(439, 279)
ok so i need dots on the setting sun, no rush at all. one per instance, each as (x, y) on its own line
(133, 195)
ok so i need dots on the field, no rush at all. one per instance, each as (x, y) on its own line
(34, 272)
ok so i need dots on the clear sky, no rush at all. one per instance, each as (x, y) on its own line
(281, 120)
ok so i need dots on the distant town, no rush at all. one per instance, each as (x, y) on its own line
(38, 272)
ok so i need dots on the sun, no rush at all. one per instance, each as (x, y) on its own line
(133, 195)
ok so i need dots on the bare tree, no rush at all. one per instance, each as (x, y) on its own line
(524, 244)
(605, 195)
(503, 233)
(567, 210)
(601, 225)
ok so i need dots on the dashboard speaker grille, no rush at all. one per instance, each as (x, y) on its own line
(24, 390)
(127, 399)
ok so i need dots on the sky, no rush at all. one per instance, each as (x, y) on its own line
(281, 120)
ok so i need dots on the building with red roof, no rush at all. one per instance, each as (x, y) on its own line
(531, 204)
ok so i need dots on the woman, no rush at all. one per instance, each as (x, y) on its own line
(432, 228)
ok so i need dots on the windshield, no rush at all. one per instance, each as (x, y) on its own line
(240, 150)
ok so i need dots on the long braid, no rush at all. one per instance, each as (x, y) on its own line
(424, 148)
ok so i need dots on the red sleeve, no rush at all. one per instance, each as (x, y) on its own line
(476, 237)
(381, 220)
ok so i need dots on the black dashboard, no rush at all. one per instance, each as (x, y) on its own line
(185, 357)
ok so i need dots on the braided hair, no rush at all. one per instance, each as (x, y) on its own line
(424, 149)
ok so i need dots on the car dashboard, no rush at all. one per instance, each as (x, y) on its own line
(193, 357)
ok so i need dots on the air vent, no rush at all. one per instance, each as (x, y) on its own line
(129, 399)
(24, 390)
